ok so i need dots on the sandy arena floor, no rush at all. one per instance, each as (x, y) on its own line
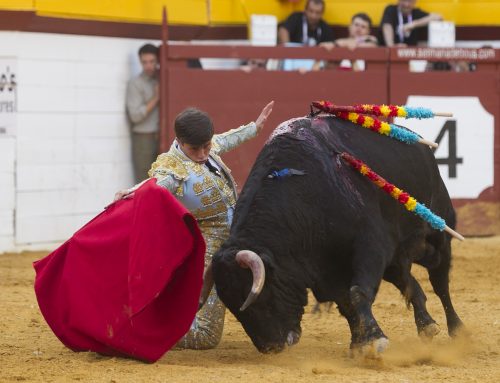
(30, 352)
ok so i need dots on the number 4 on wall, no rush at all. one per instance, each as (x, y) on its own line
(452, 160)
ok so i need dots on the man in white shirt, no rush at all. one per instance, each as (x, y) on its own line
(142, 109)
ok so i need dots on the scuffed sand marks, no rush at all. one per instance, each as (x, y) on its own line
(30, 352)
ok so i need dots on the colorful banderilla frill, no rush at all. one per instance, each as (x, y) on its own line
(403, 111)
(360, 115)
(410, 203)
(382, 127)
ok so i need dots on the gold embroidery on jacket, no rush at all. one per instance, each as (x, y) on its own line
(211, 211)
(212, 198)
(205, 185)
(169, 163)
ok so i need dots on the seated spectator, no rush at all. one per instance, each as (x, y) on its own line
(359, 36)
(400, 23)
(308, 27)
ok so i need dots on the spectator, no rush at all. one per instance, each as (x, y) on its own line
(359, 36)
(308, 27)
(359, 33)
(400, 23)
(142, 109)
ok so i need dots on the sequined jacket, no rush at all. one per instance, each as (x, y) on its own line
(209, 197)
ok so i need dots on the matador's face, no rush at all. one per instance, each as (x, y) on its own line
(197, 153)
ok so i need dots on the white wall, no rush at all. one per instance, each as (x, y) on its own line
(7, 191)
(71, 149)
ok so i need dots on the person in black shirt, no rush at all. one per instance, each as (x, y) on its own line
(359, 33)
(400, 23)
(306, 27)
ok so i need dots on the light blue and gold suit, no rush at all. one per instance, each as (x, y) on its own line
(211, 198)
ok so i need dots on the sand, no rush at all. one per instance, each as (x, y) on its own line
(30, 352)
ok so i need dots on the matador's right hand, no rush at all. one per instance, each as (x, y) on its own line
(123, 194)
(128, 193)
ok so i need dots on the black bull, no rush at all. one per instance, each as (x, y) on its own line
(332, 231)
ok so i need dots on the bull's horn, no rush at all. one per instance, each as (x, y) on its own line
(208, 283)
(249, 259)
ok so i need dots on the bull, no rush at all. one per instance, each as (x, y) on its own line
(327, 229)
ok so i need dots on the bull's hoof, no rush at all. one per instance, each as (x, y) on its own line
(375, 348)
(459, 331)
(428, 332)
(370, 350)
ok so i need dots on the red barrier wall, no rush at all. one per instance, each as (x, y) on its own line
(235, 97)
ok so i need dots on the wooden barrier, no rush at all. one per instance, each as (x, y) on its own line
(235, 97)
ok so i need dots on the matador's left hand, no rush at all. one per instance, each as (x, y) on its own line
(263, 116)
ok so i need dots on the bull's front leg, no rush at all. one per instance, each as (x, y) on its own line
(347, 310)
(371, 339)
(368, 263)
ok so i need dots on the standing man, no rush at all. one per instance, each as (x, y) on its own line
(400, 23)
(142, 109)
(308, 27)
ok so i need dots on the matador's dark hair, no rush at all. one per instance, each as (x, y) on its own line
(194, 127)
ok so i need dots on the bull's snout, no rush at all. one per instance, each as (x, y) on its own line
(292, 338)
(271, 348)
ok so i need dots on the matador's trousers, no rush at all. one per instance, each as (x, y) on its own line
(206, 329)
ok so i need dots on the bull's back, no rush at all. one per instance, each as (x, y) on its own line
(333, 192)
(411, 167)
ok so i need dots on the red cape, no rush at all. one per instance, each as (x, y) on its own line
(128, 282)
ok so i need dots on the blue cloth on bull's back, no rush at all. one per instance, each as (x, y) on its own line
(283, 173)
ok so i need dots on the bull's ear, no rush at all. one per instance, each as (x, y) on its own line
(223, 261)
